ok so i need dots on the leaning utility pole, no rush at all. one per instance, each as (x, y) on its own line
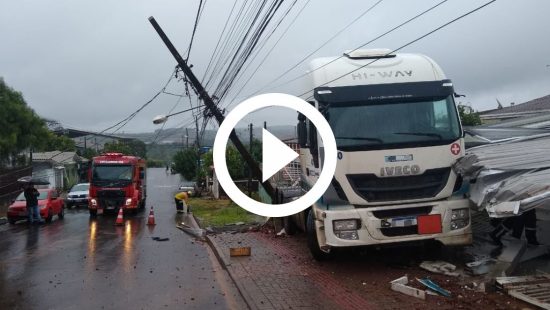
(211, 106)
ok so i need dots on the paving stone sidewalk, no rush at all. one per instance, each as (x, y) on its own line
(272, 278)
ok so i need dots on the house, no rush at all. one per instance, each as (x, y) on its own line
(535, 107)
(61, 169)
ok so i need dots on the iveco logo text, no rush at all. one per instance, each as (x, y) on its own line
(382, 74)
(399, 170)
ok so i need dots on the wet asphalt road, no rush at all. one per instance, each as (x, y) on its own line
(89, 263)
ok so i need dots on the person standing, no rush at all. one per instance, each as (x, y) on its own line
(31, 197)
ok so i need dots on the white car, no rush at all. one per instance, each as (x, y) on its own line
(78, 195)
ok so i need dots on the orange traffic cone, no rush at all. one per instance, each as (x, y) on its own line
(151, 219)
(120, 217)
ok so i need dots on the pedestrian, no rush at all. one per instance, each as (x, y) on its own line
(182, 199)
(526, 221)
(31, 197)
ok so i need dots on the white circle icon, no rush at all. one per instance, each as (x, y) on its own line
(264, 101)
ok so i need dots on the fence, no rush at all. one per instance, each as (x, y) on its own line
(9, 187)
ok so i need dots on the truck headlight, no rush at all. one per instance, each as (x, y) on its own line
(128, 201)
(460, 218)
(352, 224)
(93, 202)
(347, 234)
(458, 214)
(346, 229)
(458, 224)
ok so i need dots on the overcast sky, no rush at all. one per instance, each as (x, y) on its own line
(89, 64)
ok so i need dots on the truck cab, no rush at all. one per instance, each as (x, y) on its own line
(117, 181)
(398, 135)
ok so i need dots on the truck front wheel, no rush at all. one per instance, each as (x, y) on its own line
(312, 242)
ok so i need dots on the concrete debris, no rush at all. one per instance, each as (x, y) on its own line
(440, 267)
(479, 267)
(400, 285)
(509, 178)
(282, 232)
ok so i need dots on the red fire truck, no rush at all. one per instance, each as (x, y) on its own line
(116, 181)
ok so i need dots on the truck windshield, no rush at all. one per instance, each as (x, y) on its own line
(382, 125)
(112, 175)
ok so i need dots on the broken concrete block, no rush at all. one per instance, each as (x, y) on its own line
(440, 267)
(400, 285)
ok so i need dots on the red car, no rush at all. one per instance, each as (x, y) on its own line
(49, 204)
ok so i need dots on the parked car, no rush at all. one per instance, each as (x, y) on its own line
(78, 195)
(49, 204)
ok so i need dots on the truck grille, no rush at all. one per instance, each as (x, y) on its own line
(375, 189)
(111, 199)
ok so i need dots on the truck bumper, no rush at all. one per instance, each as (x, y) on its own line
(373, 228)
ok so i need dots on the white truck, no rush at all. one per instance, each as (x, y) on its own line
(398, 135)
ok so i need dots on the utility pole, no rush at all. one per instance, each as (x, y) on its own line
(250, 128)
(186, 138)
(211, 106)
(265, 125)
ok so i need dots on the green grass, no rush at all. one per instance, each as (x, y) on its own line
(217, 213)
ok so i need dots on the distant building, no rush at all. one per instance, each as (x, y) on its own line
(61, 169)
(535, 107)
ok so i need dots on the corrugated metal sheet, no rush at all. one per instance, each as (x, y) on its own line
(509, 178)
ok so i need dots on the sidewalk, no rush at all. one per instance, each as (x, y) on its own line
(274, 278)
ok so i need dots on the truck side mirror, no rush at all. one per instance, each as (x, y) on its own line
(141, 174)
(302, 131)
(313, 147)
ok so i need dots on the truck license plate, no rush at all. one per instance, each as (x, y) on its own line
(399, 222)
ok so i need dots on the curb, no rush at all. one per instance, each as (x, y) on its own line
(225, 264)
(224, 261)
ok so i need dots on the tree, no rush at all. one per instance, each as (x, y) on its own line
(468, 116)
(127, 147)
(20, 127)
(57, 143)
(185, 163)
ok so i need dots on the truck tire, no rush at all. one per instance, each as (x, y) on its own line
(312, 242)
(93, 213)
(290, 227)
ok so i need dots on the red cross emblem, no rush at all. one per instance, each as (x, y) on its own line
(455, 148)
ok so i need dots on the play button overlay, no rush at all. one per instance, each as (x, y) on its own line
(275, 155)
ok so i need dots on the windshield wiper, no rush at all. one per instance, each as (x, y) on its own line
(427, 134)
(362, 139)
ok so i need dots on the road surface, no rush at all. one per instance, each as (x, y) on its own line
(89, 263)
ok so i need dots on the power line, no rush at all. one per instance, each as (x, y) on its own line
(270, 50)
(339, 57)
(197, 17)
(403, 46)
(219, 40)
(318, 48)
(131, 116)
